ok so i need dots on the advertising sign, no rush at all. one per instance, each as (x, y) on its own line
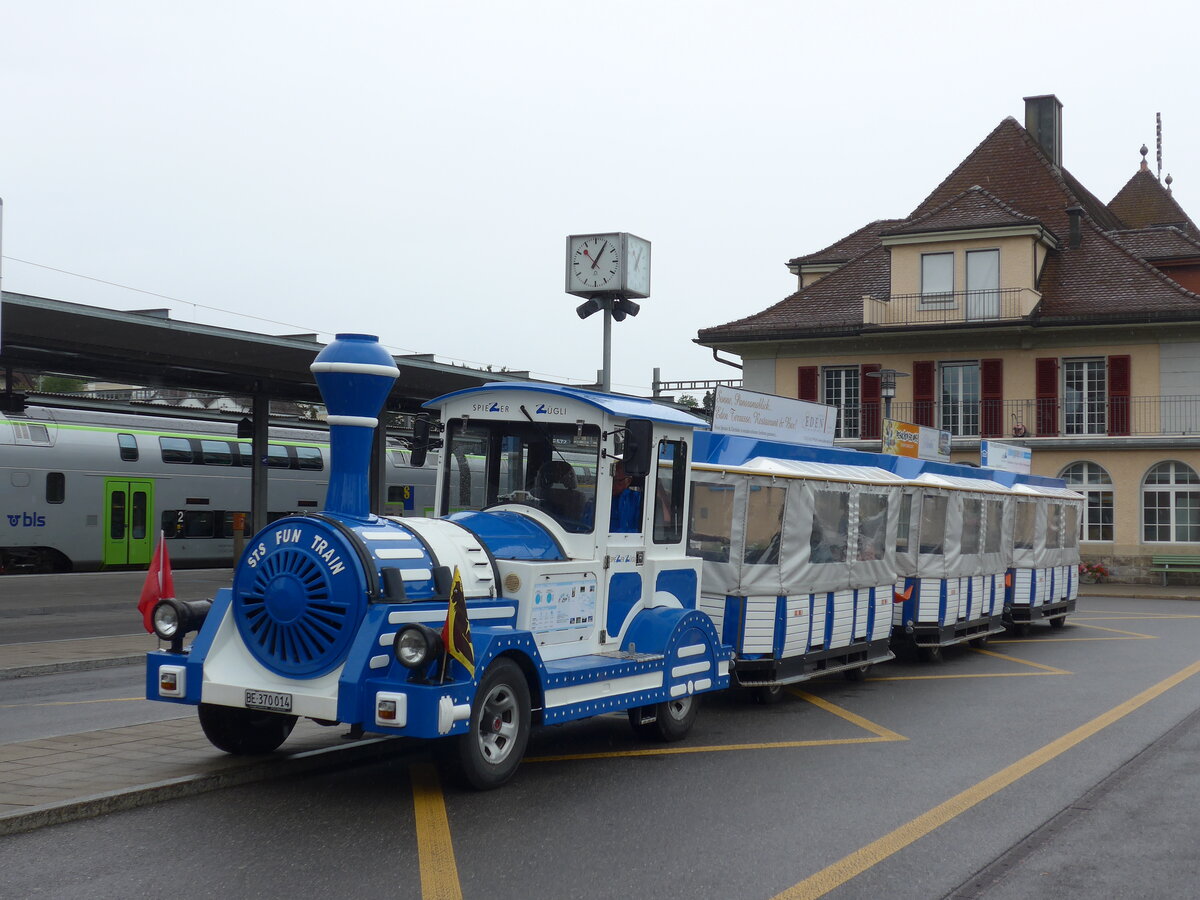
(916, 441)
(1007, 457)
(738, 411)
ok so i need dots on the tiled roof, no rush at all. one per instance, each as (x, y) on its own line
(1159, 242)
(1144, 201)
(1007, 178)
(850, 246)
(973, 208)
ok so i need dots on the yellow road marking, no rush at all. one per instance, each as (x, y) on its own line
(1048, 670)
(1053, 670)
(67, 702)
(861, 860)
(881, 735)
(439, 872)
(1135, 634)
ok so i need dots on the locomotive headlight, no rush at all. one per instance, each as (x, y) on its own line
(416, 645)
(172, 618)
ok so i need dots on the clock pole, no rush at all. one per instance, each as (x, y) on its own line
(606, 372)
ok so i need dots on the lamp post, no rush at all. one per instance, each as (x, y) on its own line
(887, 387)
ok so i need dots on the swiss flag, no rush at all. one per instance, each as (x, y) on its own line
(159, 583)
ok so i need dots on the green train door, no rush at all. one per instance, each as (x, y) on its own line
(128, 506)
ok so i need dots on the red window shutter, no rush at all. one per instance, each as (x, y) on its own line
(870, 421)
(806, 381)
(924, 384)
(1118, 394)
(1045, 378)
(991, 398)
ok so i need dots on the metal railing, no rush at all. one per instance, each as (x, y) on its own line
(954, 308)
(1060, 417)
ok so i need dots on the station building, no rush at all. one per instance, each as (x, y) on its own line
(1024, 309)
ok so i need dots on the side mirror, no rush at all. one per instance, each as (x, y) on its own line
(639, 442)
(420, 445)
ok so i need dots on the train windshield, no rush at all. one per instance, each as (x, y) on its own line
(551, 467)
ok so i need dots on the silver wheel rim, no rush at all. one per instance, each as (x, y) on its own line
(678, 709)
(499, 724)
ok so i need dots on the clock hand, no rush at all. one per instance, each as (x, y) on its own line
(600, 254)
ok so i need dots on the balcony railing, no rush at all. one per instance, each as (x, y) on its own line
(1112, 417)
(956, 308)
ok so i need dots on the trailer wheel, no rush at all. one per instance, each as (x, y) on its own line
(930, 654)
(1020, 629)
(244, 732)
(672, 719)
(980, 642)
(494, 745)
(857, 674)
(1058, 622)
(767, 694)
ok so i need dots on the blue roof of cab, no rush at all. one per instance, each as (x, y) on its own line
(613, 404)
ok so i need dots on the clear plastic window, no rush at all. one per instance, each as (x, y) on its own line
(711, 521)
(1023, 527)
(905, 525)
(1070, 526)
(995, 526)
(933, 525)
(972, 526)
(764, 524)
(872, 526)
(668, 492)
(1054, 526)
(831, 526)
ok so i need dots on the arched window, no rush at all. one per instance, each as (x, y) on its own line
(1171, 504)
(1094, 482)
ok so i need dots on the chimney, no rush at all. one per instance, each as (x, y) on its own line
(1043, 121)
(355, 375)
(1076, 236)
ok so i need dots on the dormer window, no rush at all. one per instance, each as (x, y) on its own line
(937, 278)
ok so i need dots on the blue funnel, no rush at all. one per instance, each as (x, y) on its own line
(355, 375)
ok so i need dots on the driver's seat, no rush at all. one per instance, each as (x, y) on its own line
(556, 488)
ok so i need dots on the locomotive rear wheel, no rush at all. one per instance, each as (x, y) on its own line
(244, 732)
(672, 720)
(498, 732)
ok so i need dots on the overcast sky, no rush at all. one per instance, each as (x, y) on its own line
(412, 169)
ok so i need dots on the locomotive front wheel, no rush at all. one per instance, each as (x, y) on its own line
(494, 745)
(244, 732)
(672, 720)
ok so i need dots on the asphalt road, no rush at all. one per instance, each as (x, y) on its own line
(1060, 765)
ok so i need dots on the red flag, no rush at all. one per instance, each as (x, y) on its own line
(456, 633)
(159, 583)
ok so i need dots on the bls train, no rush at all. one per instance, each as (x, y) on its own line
(594, 553)
(83, 489)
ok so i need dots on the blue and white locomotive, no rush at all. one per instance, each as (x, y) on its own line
(337, 615)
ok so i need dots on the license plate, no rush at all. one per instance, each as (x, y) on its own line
(268, 700)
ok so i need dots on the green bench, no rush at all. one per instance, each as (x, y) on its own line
(1168, 564)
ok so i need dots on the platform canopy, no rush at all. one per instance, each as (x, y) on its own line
(147, 348)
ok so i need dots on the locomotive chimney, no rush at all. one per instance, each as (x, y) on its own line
(355, 375)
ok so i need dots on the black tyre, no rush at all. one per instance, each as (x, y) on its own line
(244, 732)
(858, 673)
(1058, 622)
(767, 694)
(1020, 629)
(930, 654)
(672, 720)
(494, 745)
(980, 642)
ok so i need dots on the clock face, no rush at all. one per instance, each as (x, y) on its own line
(596, 262)
(637, 254)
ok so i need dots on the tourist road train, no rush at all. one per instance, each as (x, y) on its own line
(744, 563)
